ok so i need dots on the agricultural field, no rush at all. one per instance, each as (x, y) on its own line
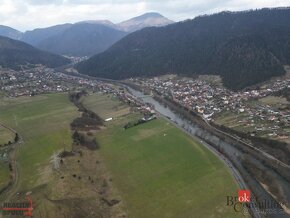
(72, 190)
(6, 135)
(4, 174)
(141, 167)
(212, 79)
(236, 121)
(44, 125)
(274, 101)
(263, 127)
(106, 106)
(157, 164)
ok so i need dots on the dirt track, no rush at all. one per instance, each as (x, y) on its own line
(13, 187)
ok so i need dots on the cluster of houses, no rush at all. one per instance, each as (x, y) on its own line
(76, 60)
(195, 94)
(211, 100)
(38, 80)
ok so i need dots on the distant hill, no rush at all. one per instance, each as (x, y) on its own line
(85, 38)
(10, 32)
(14, 53)
(103, 22)
(243, 47)
(82, 39)
(34, 37)
(145, 20)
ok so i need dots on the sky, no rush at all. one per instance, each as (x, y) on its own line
(30, 14)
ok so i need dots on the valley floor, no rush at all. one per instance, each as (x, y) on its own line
(150, 170)
(160, 171)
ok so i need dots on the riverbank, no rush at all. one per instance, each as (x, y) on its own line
(234, 150)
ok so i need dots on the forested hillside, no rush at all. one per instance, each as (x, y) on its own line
(14, 53)
(243, 47)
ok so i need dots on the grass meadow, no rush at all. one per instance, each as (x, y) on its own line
(106, 106)
(158, 170)
(4, 174)
(162, 172)
(6, 136)
(44, 124)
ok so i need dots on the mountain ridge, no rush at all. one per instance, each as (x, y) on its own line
(243, 47)
(10, 32)
(56, 39)
(37, 35)
(82, 39)
(14, 53)
(149, 19)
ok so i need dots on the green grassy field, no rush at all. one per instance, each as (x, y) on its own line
(235, 121)
(43, 122)
(4, 174)
(243, 123)
(106, 106)
(6, 136)
(158, 170)
(162, 172)
(274, 101)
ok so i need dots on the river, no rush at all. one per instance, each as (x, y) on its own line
(235, 166)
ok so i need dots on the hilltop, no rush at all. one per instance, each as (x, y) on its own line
(244, 48)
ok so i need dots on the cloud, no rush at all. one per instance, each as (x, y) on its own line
(183, 9)
(45, 2)
(29, 14)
